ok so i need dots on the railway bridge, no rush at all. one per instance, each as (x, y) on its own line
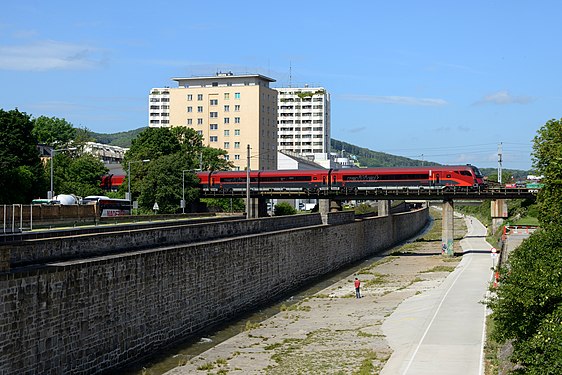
(331, 200)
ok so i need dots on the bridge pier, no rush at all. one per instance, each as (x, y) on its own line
(447, 228)
(326, 206)
(384, 208)
(498, 211)
(258, 207)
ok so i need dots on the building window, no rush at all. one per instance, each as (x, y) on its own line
(236, 157)
(199, 96)
(226, 95)
(214, 126)
(214, 102)
(227, 120)
(189, 97)
(236, 144)
(213, 138)
(227, 108)
(189, 121)
(237, 108)
(214, 114)
(154, 121)
(237, 95)
(199, 121)
(236, 131)
(226, 157)
(215, 84)
(226, 145)
(200, 109)
(227, 133)
(189, 109)
(200, 132)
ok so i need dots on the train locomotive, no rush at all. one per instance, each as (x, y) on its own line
(348, 181)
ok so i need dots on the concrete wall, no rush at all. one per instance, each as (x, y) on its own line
(88, 316)
(122, 239)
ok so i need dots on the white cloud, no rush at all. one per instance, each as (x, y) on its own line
(48, 55)
(403, 100)
(504, 97)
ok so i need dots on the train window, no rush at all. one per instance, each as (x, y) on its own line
(466, 173)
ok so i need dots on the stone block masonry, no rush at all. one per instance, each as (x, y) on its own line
(97, 314)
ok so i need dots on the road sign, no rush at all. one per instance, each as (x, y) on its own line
(155, 207)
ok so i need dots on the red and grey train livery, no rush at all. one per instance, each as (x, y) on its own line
(351, 180)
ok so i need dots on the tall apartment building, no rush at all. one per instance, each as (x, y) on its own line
(303, 121)
(229, 111)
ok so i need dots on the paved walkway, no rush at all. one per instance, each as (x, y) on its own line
(442, 330)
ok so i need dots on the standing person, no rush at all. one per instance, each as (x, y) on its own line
(357, 288)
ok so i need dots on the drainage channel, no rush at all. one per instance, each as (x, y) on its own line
(173, 357)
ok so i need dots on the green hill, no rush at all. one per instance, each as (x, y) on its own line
(369, 158)
(121, 139)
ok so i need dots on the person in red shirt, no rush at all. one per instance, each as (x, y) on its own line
(357, 288)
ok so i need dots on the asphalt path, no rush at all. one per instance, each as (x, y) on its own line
(442, 331)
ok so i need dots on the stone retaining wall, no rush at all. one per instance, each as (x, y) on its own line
(93, 315)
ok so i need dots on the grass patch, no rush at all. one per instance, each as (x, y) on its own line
(364, 334)
(249, 326)
(378, 279)
(440, 269)
(491, 349)
(206, 366)
(295, 307)
(367, 367)
(274, 346)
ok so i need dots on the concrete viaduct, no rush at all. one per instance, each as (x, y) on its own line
(330, 201)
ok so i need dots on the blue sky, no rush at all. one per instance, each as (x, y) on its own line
(444, 79)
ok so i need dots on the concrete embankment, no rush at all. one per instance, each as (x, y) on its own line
(88, 314)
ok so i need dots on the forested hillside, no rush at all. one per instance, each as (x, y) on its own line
(369, 158)
(121, 139)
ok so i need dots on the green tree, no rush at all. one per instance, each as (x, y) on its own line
(170, 151)
(283, 208)
(224, 204)
(527, 308)
(163, 184)
(53, 131)
(79, 175)
(22, 176)
(547, 161)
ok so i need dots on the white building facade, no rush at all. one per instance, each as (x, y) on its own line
(303, 122)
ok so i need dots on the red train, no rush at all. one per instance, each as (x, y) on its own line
(351, 180)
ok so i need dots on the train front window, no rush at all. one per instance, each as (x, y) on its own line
(477, 172)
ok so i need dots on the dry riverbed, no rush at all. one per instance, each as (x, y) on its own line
(333, 332)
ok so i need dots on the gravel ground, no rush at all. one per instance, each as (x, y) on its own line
(333, 332)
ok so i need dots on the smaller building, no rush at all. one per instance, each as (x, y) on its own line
(108, 154)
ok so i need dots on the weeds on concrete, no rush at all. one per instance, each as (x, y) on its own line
(440, 269)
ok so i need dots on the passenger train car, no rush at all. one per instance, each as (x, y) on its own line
(351, 180)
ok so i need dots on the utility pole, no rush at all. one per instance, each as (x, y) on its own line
(248, 184)
(500, 163)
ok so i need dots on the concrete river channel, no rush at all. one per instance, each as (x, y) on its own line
(164, 361)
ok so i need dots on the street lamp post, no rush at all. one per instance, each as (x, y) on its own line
(183, 186)
(51, 193)
(129, 180)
